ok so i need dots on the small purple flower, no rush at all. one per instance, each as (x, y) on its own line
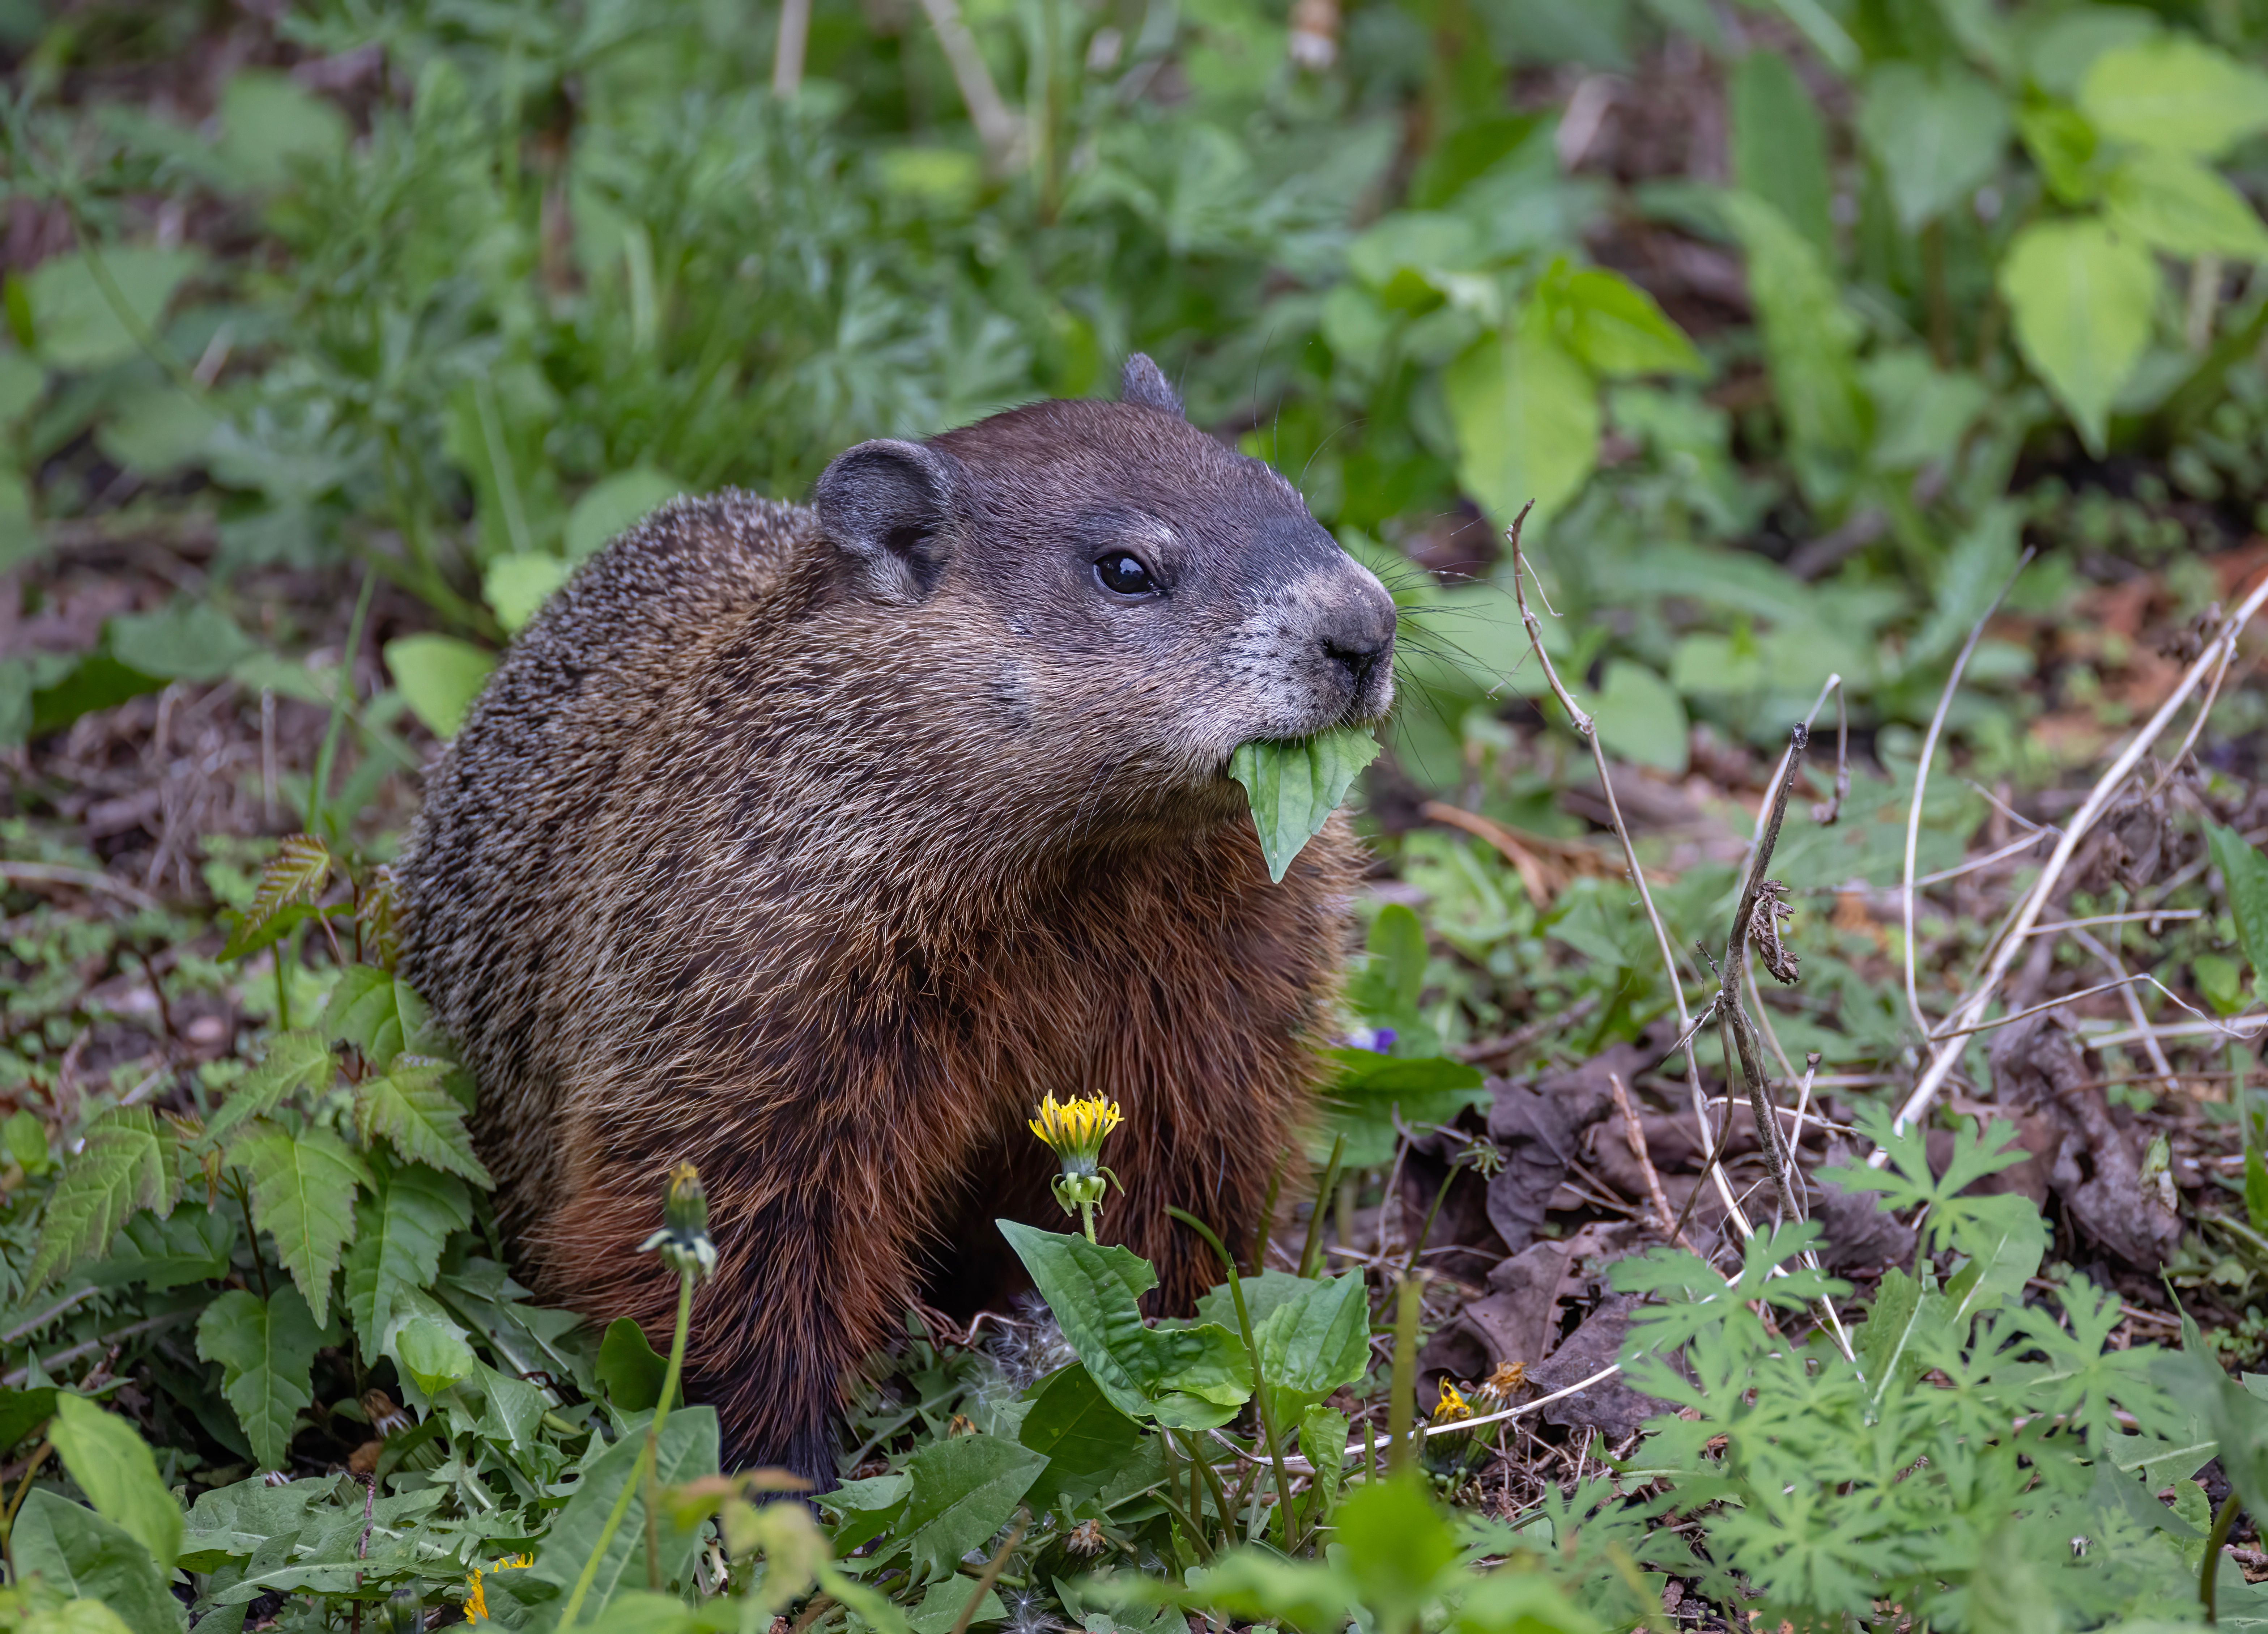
(1378, 1040)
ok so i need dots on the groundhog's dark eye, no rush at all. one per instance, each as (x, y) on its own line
(1122, 574)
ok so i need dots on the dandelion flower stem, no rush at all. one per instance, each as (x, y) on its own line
(640, 1474)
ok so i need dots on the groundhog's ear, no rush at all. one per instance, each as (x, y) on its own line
(1144, 384)
(889, 505)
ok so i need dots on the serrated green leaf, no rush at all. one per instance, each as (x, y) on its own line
(378, 1014)
(965, 1488)
(296, 1060)
(303, 1195)
(191, 1245)
(78, 1553)
(1083, 1436)
(412, 1107)
(266, 1348)
(2083, 297)
(1527, 418)
(687, 1452)
(295, 874)
(402, 1225)
(1294, 787)
(127, 1163)
(114, 1467)
(630, 1368)
(1810, 337)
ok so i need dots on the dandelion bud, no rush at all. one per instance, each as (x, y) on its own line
(683, 1239)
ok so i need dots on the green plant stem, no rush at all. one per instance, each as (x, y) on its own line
(1418, 1247)
(1259, 1384)
(2209, 1569)
(1401, 1406)
(1170, 1497)
(8, 1521)
(1313, 1250)
(1267, 1216)
(319, 786)
(1086, 1220)
(653, 1429)
(647, 1455)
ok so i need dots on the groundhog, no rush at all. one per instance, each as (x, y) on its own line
(814, 845)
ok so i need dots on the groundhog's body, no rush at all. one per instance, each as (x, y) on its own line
(789, 842)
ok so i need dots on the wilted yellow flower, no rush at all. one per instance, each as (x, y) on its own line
(1504, 1383)
(477, 1597)
(1451, 1406)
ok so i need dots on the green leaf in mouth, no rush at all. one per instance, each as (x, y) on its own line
(1295, 784)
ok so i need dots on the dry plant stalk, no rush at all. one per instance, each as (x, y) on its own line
(1634, 1134)
(1947, 1041)
(1583, 723)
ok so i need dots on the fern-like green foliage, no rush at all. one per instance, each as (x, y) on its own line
(1980, 1455)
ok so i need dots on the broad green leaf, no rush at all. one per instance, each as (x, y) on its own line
(266, 1348)
(1921, 413)
(1779, 146)
(22, 384)
(1527, 417)
(2082, 297)
(1937, 136)
(401, 1225)
(377, 1014)
(1091, 1291)
(2244, 875)
(1385, 991)
(294, 875)
(630, 1368)
(687, 1451)
(1810, 339)
(945, 1599)
(191, 1245)
(1293, 787)
(863, 1510)
(2175, 92)
(127, 1163)
(2174, 204)
(2065, 147)
(517, 583)
(965, 1488)
(1083, 1438)
(1311, 1345)
(114, 1467)
(1640, 717)
(1888, 1345)
(23, 1411)
(614, 505)
(74, 324)
(303, 1195)
(1510, 1602)
(1614, 326)
(270, 125)
(432, 1354)
(80, 1554)
(1322, 1443)
(1186, 1377)
(1261, 1588)
(1363, 1099)
(2238, 1420)
(438, 677)
(155, 431)
(296, 1060)
(413, 1108)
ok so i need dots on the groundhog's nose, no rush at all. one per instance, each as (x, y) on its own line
(1359, 637)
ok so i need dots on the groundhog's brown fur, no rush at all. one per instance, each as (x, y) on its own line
(815, 845)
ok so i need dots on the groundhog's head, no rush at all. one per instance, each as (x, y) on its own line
(1122, 576)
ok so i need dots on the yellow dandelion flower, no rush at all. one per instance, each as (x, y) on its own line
(1451, 1406)
(1076, 1128)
